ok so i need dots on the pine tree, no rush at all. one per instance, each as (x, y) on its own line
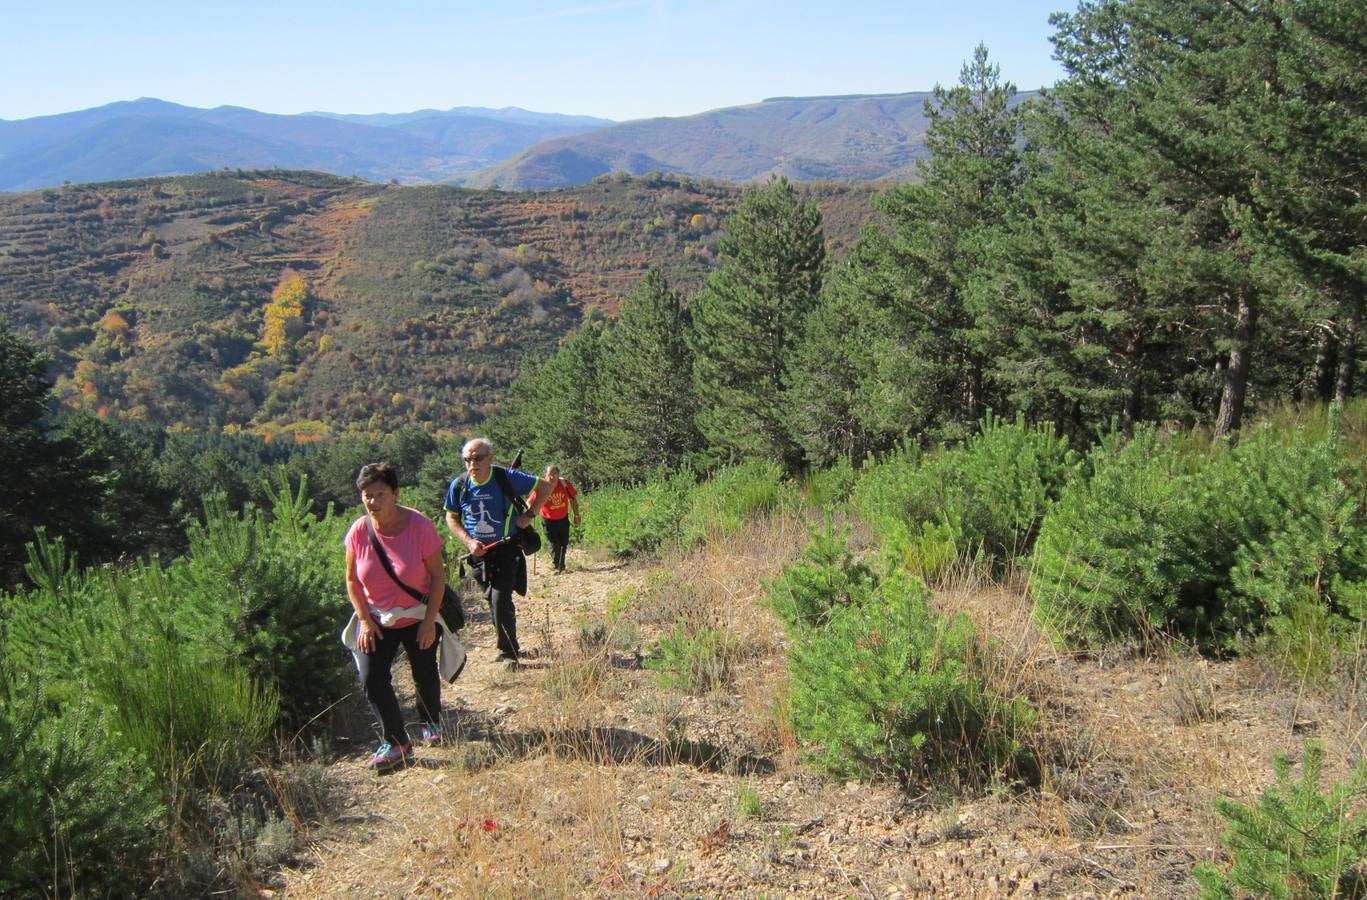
(552, 407)
(1101, 324)
(946, 228)
(841, 404)
(1241, 118)
(646, 385)
(748, 318)
(1296, 841)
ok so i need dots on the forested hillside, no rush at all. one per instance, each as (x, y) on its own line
(299, 302)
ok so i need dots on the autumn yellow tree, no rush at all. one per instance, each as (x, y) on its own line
(285, 315)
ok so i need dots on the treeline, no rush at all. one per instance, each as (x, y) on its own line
(1173, 233)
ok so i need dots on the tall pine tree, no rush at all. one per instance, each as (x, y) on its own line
(947, 229)
(1243, 116)
(748, 318)
(552, 407)
(646, 387)
(843, 400)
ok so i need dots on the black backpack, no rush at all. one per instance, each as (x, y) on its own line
(529, 539)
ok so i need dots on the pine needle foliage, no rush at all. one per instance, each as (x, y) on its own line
(1211, 541)
(635, 521)
(986, 496)
(749, 318)
(825, 577)
(1298, 840)
(78, 810)
(1110, 558)
(887, 688)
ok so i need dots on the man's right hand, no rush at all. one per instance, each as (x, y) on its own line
(475, 547)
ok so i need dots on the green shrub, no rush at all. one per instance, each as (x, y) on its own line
(831, 487)
(824, 577)
(676, 512)
(988, 495)
(268, 593)
(631, 521)
(1306, 641)
(729, 500)
(1296, 841)
(881, 491)
(47, 629)
(1111, 559)
(887, 688)
(160, 685)
(78, 811)
(1208, 542)
(201, 726)
(1002, 482)
(1281, 524)
(695, 660)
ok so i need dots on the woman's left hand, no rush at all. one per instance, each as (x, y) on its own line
(427, 634)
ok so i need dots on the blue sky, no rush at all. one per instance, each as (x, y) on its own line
(618, 59)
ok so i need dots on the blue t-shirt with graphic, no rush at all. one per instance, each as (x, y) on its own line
(485, 510)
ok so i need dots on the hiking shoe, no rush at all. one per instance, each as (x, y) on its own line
(388, 755)
(429, 735)
(510, 663)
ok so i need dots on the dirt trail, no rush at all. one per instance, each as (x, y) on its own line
(579, 776)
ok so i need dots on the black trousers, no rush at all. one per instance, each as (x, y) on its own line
(558, 535)
(497, 576)
(379, 684)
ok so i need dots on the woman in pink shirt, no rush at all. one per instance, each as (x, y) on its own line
(391, 617)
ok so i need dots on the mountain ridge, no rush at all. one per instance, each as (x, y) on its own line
(855, 137)
(94, 145)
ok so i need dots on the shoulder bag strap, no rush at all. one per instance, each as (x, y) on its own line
(388, 566)
(463, 479)
(515, 503)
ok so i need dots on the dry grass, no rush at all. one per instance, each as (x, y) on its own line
(579, 776)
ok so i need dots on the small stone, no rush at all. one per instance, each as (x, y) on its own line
(644, 801)
(661, 866)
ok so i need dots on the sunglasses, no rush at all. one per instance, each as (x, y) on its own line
(476, 457)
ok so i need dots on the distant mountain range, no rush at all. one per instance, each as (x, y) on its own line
(848, 138)
(858, 138)
(148, 137)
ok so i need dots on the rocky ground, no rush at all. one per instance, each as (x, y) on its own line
(580, 776)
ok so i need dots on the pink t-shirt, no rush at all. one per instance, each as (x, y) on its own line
(406, 551)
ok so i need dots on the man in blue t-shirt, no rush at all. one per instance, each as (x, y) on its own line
(484, 519)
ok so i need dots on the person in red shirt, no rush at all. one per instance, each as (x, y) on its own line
(555, 514)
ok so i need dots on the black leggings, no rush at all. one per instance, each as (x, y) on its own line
(497, 577)
(558, 534)
(379, 686)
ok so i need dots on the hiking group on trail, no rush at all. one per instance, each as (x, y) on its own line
(396, 579)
